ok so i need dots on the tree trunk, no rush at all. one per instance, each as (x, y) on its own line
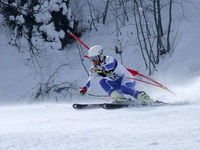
(105, 12)
(169, 26)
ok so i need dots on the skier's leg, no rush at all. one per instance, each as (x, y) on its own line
(109, 86)
(112, 88)
(127, 87)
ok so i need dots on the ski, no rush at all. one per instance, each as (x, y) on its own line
(124, 105)
(86, 106)
(105, 106)
(117, 106)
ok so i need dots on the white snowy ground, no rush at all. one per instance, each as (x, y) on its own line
(60, 127)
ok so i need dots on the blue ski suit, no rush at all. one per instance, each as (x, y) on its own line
(114, 77)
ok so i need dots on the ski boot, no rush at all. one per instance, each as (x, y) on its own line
(119, 98)
(146, 99)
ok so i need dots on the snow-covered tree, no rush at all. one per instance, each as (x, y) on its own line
(40, 26)
(43, 23)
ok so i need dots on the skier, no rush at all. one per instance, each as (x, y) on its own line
(114, 77)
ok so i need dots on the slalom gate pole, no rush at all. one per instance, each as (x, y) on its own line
(150, 79)
(133, 72)
(154, 82)
(72, 34)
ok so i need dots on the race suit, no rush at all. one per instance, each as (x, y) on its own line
(114, 77)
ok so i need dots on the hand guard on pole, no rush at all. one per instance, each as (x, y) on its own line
(83, 90)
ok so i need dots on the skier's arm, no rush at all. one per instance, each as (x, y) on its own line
(110, 65)
(88, 84)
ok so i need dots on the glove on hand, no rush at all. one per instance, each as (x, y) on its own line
(96, 69)
(83, 90)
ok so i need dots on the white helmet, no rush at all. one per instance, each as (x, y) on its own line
(95, 52)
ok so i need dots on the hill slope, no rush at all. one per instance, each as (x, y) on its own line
(59, 126)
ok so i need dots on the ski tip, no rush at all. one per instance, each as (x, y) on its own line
(75, 106)
(79, 106)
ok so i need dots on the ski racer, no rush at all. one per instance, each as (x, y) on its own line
(114, 77)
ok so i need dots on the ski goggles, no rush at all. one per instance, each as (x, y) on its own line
(94, 58)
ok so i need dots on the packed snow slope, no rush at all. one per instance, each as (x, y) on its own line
(57, 126)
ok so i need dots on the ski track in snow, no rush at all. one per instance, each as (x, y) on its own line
(59, 126)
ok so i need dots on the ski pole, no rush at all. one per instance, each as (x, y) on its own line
(97, 95)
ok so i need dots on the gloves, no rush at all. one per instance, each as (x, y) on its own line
(83, 90)
(96, 69)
